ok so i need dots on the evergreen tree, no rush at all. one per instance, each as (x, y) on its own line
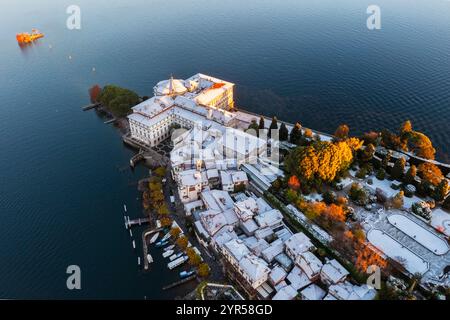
(284, 133)
(386, 160)
(254, 126)
(273, 126)
(398, 169)
(368, 152)
(446, 204)
(342, 132)
(261, 123)
(296, 134)
(411, 174)
(441, 190)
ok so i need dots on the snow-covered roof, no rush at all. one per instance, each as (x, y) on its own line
(277, 275)
(269, 218)
(298, 279)
(249, 225)
(223, 236)
(212, 221)
(310, 264)
(274, 249)
(225, 178)
(333, 271)
(254, 267)
(246, 209)
(312, 292)
(298, 243)
(170, 86)
(286, 293)
(191, 178)
(347, 291)
(212, 173)
(263, 233)
(230, 216)
(239, 177)
(237, 249)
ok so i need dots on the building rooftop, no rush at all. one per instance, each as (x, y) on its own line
(334, 271)
(254, 267)
(286, 293)
(269, 218)
(299, 243)
(298, 279)
(312, 292)
(237, 249)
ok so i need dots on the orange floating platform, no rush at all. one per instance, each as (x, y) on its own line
(26, 37)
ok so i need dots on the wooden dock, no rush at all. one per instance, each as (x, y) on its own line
(110, 121)
(91, 106)
(144, 244)
(180, 282)
(135, 222)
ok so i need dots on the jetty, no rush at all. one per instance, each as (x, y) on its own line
(91, 106)
(144, 244)
(110, 121)
(180, 282)
(135, 222)
(137, 158)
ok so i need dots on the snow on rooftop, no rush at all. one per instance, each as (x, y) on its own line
(254, 267)
(277, 275)
(426, 238)
(312, 292)
(299, 243)
(286, 293)
(269, 218)
(396, 251)
(298, 279)
(334, 271)
(237, 248)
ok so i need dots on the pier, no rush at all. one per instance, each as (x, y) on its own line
(144, 244)
(110, 121)
(180, 282)
(135, 222)
(91, 106)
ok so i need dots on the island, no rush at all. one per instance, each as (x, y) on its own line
(259, 208)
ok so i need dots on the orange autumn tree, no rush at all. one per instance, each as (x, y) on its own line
(367, 256)
(335, 213)
(94, 92)
(294, 183)
(430, 172)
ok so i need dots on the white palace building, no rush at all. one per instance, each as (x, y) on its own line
(200, 99)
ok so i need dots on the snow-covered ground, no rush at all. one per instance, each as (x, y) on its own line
(395, 250)
(385, 185)
(379, 220)
(441, 221)
(426, 238)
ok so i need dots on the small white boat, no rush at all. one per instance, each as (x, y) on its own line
(149, 258)
(169, 247)
(177, 262)
(175, 256)
(185, 274)
(167, 253)
(155, 236)
(167, 236)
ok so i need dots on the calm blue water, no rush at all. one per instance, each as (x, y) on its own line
(61, 183)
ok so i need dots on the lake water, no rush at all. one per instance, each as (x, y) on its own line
(64, 176)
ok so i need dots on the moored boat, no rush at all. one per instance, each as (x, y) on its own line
(166, 236)
(169, 247)
(161, 243)
(154, 237)
(175, 256)
(149, 258)
(185, 274)
(167, 253)
(177, 262)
